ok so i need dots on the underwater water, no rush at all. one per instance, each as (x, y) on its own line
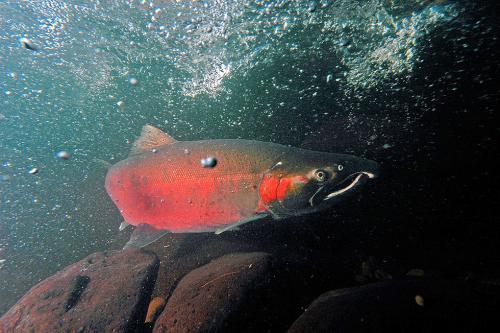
(410, 84)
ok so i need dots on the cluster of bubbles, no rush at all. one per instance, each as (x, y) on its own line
(373, 40)
(207, 42)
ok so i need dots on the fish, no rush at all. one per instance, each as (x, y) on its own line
(166, 186)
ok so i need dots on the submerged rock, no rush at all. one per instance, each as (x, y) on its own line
(211, 298)
(398, 306)
(105, 292)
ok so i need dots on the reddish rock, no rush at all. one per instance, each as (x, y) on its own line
(214, 297)
(105, 292)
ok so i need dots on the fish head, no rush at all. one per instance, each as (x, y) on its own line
(310, 181)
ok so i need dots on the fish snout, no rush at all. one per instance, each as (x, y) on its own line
(352, 166)
(369, 168)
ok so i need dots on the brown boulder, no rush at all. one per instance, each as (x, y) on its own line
(105, 292)
(402, 306)
(214, 297)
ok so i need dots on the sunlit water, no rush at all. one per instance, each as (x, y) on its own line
(266, 70)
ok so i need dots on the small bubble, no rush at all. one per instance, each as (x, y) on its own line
(63, 155)
(186, 151)
(344, 42)
(27, 44)
(133, 81)
(208, 162)
(312, 7)
(33, 171)
(329, 77)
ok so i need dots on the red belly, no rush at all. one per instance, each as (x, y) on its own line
(165, 198)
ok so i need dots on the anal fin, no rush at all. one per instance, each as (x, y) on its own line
(234, 226)
(143, 235)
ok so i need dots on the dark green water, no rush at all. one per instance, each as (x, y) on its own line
(266, 70)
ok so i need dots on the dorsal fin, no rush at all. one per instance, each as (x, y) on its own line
(150, 138)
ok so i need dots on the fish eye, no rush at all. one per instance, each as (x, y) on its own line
(340, 167)
(320, 175)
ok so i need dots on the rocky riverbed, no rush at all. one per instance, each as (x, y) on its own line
(213, 284)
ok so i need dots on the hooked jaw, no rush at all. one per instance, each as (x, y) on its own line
(356, 180)
(368, 170)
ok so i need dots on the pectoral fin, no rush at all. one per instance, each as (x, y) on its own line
(123, 225)
(237, 224)
(143, 235)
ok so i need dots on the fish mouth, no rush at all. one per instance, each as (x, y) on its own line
(348, 184)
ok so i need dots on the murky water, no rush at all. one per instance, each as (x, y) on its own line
(97, 71)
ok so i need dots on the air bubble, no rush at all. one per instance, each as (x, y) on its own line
(312, 7)
(63, 155)
(27, 44)
(208, 162)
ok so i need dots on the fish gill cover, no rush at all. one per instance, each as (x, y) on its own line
(97, 71)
